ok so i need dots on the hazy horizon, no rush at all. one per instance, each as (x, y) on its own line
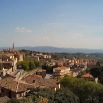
(7, 47)
(57, 23)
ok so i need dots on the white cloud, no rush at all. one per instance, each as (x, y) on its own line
(63, 35)
(23, 30)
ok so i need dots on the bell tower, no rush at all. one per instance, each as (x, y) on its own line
(13, 46)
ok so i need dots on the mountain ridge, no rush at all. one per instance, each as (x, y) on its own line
(52, 49)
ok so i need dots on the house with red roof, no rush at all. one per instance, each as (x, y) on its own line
(13, 89)
(88, 76)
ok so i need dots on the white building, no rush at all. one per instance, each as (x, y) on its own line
(61, 71)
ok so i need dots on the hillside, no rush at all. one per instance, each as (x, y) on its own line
(60, 50)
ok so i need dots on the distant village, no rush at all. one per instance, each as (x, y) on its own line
(15, 81)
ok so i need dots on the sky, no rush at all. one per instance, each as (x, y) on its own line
(58, 23)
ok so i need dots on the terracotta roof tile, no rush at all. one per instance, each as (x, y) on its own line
(11, 84)
(87, 75)
(61, 68)
(38, 81)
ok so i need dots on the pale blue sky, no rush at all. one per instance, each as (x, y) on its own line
(60, 23)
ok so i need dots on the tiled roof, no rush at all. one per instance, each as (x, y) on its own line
(87, 75)
(6, 54)
(11, 84)
(38, 81)
(31, 78)
(61, 68)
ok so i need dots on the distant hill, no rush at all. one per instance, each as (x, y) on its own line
(51, 49)
(60, 50)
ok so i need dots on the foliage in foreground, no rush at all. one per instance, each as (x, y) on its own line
(87, 91)
(48, 96)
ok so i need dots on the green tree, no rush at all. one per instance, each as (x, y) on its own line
(23, 65)
(49, 69)
(87, 91)
(96, 71)
(31, 65)
(65, 96)
(60, 96)
(37, 64)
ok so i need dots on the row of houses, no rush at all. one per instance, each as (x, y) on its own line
(38, 56)
(17, 83)
(72, 62)
(13, 88)
(62, 71)
(8, 61)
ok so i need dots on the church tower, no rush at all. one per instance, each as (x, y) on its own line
(13, 46)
